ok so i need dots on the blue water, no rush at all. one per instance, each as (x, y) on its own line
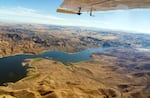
(67, 57)
(11, 69)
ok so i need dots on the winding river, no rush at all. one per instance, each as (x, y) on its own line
(11, 69)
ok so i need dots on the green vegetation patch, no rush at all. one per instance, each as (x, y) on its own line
(31, 77)
(35, 60)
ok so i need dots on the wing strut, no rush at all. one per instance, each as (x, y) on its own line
(79, 12)
(91, 11)
(91, 14)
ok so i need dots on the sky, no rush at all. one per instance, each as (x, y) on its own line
(44, 12)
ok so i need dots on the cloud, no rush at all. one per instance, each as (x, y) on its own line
(20, 14)
(26, 15)
(133, 20)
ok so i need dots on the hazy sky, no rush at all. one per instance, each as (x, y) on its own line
(44, 12)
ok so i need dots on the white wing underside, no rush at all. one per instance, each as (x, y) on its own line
(74, 6)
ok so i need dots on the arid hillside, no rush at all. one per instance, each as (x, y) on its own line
(23, 38)
(109, 75)
(122, 71)
(34, 39)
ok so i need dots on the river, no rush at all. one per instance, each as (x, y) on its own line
(11, 69)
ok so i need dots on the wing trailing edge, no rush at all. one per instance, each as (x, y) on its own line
(79, 6)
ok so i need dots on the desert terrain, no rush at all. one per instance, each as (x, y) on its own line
(109, 75)
(120, 72)
(34, 39)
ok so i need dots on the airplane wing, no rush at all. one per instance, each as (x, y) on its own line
(79, 6)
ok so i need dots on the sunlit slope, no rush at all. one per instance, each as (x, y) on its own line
(110, 74)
